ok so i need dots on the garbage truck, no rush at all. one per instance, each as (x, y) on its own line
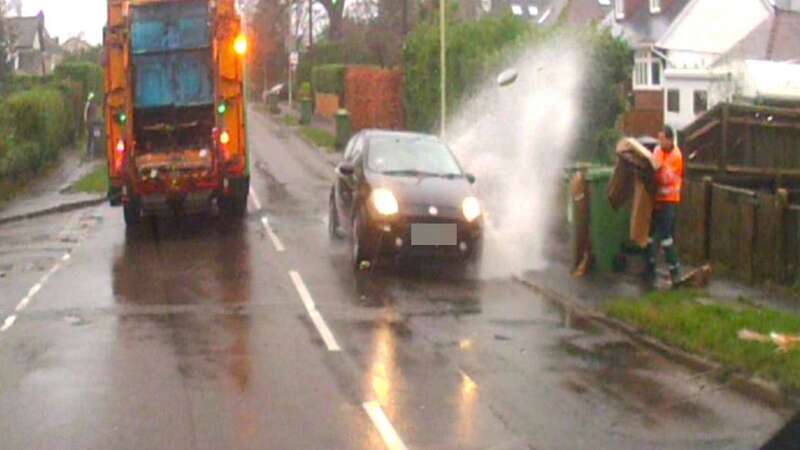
(175, 107)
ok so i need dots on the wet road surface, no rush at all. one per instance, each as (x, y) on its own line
(208, 334)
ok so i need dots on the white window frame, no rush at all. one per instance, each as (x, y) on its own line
(516, 9)
(666, 99)
(655, 6)
(643, 72)
(619, 9)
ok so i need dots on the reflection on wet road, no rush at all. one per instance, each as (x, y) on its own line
(193, 333)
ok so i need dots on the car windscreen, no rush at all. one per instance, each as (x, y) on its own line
(424, 155)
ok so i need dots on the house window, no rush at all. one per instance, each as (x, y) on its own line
(674, 100)
(619, 9)
(516, 9)
(647, 71)
(700, 102)
(655, 6)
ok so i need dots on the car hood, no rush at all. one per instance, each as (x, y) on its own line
(425, 191)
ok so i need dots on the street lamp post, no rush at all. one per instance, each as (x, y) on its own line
(443, 64)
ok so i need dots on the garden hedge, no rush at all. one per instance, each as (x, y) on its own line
(329, 79)
(40, 116)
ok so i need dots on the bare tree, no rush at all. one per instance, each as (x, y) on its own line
(335, 10)
(16, 6)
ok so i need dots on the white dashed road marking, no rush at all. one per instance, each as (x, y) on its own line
(9, 322)
(274, 237)
(385, 428)
(315, 315)
(255, 200)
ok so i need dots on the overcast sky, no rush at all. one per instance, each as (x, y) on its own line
(67, 18)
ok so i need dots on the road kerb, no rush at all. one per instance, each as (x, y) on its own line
(753, 387)
(61, 208)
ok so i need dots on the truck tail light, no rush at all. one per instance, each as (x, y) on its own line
(120, 146)
(224, 138)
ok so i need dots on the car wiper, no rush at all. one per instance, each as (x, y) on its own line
(409, 173)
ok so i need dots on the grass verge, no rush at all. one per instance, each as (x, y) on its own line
(95, 182)
(679, 318)
(319, 137)
(290, 120)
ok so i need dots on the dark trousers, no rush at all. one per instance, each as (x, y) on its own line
(662, 235)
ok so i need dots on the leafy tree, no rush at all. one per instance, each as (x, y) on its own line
(4, 45)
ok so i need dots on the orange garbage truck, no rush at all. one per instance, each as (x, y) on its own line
(175, 107)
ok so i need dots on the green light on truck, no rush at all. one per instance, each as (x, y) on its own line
(222, 108)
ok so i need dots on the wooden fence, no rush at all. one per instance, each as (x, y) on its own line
(750, 233)
(745, 143)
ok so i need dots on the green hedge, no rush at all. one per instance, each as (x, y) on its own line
(345, 52)
(471, 47)
(329, 79)
(39, 116)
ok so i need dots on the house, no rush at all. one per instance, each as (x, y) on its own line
(695, 49)
(33, 51)
(76, 45)
(541, 12)
(746, 71)
(643, 24)
(580, 13)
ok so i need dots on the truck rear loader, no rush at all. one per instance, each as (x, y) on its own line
(175, 111)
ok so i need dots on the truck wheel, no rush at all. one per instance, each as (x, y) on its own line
(133, 213)
(236, 204)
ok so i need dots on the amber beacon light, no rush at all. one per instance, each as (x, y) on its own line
(240, 45)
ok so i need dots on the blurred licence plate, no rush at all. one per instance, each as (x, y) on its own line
(433, 234)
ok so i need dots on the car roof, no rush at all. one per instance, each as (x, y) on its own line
(368, 133)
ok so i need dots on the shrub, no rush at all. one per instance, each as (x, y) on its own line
(470, 48)
(42, 116)
(329, 79)
(375, 98)
(88, 75)
(345, 52)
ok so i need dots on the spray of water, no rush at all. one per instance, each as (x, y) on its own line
(516, 140)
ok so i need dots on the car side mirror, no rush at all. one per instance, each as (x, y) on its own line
(346, 168)
(471, 178)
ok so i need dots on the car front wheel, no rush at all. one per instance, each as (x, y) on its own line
(333, 220)
(357, 243)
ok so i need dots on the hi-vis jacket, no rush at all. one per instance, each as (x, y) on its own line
(669, 177)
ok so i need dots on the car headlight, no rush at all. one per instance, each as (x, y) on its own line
(471, 208)
(385, 202)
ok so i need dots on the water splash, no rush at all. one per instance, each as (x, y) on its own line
(516, 140)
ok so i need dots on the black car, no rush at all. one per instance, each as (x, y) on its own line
(405, 194)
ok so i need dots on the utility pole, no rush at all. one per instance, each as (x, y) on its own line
(443, 63)
(292, 46)
(311, 32)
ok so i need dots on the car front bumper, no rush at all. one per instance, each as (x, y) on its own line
(392, 237)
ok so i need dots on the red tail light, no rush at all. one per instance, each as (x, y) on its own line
(120, 146)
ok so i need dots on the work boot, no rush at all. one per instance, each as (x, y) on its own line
(675, 276)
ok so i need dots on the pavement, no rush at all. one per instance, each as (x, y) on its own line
(596, 289)
(52, 193)
(201, 333)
